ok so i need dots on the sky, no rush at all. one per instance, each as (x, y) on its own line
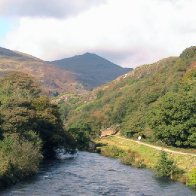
(127, 32)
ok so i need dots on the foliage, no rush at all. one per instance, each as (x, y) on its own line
(112, 151)
(63, 110)
(49, 126)
(81, 134)
(30, 128)
(191, 178)
(150, 155)
(99, 94)
(133, 158)
(166, 167)
(22, 116)
(19, 86)
(189, 52)
(173, 120)
(19, 158)
(136, 101)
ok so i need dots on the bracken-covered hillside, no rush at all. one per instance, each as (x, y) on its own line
(53, 80)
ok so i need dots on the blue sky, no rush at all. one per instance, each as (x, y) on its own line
(5, 26)
(127, 32)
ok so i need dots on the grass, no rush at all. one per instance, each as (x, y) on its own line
(159, 144)
(150, 156)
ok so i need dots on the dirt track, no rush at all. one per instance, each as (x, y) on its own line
(157, 147)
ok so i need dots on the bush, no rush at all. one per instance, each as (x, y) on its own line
(133, 158)
(112, 151)
(188, 52)
(166, 167)
(191, 177)
(19, 158)
(81, 134)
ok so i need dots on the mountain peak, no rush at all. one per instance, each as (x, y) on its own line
(92, 70)
(89, 54)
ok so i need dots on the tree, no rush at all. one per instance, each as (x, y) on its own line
(18, 85)
(49, 126)
(166, 167)
(18, 116)
(81, 132)
(19, 157)
(25, 110)
(173, 120)
(30, 128)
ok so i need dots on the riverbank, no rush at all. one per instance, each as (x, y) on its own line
(92, 174)
(146, 155)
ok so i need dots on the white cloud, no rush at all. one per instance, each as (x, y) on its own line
(45, 8)
(128, 32)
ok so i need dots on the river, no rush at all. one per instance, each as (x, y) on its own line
(91, 174)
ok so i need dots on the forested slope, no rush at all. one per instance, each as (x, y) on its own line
(156, 101)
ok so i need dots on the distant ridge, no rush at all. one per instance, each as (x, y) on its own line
(71, 75)
(8, 53)
(53, 80)
(90, 69)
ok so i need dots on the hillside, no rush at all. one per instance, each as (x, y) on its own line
(91, 69)
(72, 75)
(156, 101)
(54, 80)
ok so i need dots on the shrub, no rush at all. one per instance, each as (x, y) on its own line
(191, 177)
(19, 158)
(133, 158)
(166, 167)
(112, 151)
(188, 52)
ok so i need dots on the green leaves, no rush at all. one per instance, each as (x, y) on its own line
(191, 178)
(156, 101)
(173, 120)
(81, 133)
(19, 157)
(166, 167)
(24, 111)
(18, 85)
(189, 52)
(30, 128)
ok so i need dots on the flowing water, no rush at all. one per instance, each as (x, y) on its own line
(91, 174)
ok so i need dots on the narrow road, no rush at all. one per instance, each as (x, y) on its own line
(157, 147)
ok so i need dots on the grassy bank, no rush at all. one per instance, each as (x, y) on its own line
(139, 155)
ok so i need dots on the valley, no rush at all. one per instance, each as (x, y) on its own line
(97, 98)
(48, 108)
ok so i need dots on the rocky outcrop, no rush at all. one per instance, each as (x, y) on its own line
(109, 131)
